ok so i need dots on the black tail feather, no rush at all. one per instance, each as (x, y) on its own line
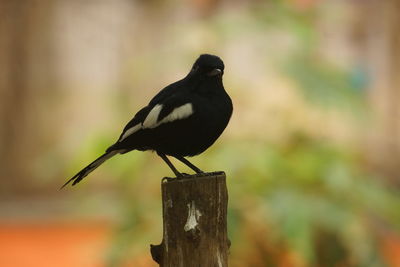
(91, 167)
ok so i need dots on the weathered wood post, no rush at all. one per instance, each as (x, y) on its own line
(194, 222)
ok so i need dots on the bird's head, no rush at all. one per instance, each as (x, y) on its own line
(208, 65)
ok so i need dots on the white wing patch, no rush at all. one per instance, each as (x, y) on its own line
(152, 117)
(178, 113)
(130, 131)
(152, 122)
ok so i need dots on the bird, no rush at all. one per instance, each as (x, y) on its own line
(182, 120)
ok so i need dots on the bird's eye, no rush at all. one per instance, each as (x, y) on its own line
(195, 68)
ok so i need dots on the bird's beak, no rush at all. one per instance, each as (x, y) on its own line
(214, 72)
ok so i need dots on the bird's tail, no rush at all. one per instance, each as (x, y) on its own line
(91, 167)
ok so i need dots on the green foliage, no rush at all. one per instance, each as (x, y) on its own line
(325, 84)
(306, 190)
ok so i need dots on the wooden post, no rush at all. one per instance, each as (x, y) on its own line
(194, 222)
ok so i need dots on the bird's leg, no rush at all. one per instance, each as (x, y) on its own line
(169, 163)
(189, 164)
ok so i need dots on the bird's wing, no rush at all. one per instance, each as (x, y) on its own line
(175, 107)
(135, 124)
(138, 118)
(165, 95)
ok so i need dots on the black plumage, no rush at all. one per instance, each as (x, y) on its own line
(183, 119)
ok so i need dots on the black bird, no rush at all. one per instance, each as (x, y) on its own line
(183, 119)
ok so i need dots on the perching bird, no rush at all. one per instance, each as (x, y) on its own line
(183, 119)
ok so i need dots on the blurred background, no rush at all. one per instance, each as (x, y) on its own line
(312, 153)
